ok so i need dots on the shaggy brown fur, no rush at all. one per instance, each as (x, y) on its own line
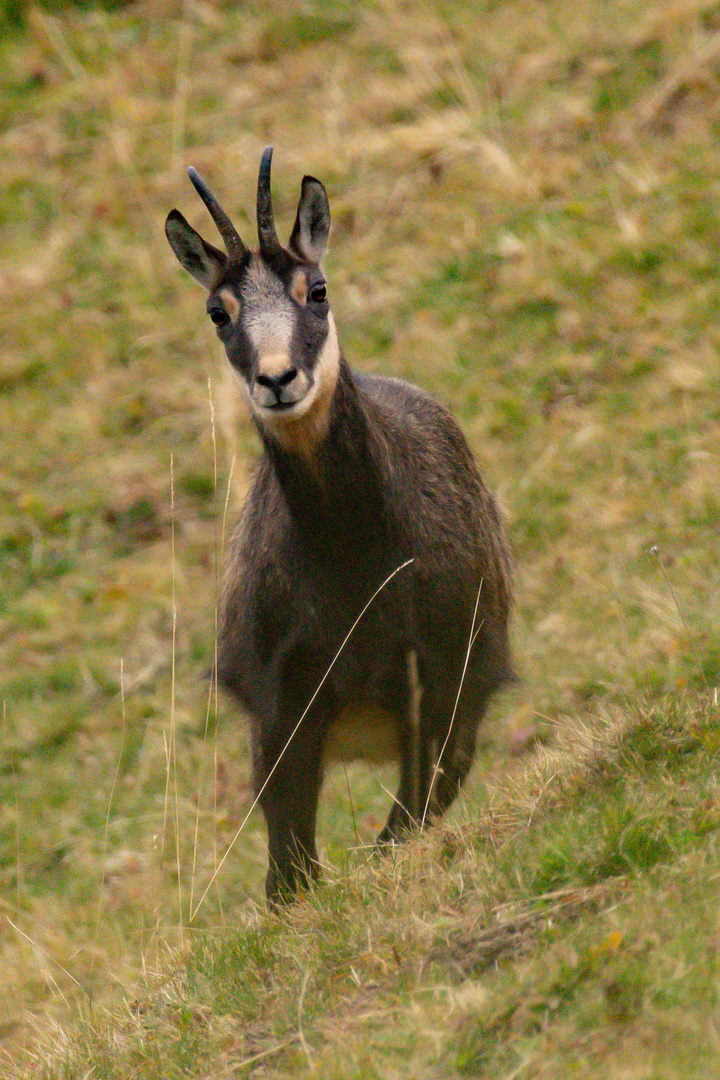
(359, 475)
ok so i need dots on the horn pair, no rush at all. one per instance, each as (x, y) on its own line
(269, 243)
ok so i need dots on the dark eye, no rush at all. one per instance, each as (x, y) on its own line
(219, 316)
(318, 293)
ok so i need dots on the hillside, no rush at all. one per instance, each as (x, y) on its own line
(526, 217)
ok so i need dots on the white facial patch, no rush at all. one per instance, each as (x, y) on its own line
(268, 318)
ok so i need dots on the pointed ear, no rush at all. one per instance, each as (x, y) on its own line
(201, 260)
(309, 237)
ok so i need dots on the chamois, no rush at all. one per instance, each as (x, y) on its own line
(362, 478)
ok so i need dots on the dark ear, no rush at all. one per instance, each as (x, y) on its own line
(311, 230)
(203, 261)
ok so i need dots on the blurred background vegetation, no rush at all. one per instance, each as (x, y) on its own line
(526, 217)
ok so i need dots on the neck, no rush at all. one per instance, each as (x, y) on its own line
(334, 490)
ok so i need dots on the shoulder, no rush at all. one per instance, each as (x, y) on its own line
(405, 408)
(388, 390)
(413, 422)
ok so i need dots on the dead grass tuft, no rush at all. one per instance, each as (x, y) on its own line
(470, 951)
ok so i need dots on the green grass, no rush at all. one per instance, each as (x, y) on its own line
(527, 227)
(569, 922)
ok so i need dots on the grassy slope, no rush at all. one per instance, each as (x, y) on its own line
(555, 165)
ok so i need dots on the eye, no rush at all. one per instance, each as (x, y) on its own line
(219, 316)
(318, 293)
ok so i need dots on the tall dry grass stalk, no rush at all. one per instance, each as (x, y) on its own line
(111, 797)
(171, 805)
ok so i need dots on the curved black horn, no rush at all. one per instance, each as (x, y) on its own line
(235, 247)
(269, 243)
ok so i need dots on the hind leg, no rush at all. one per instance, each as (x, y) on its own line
(456, 756)
(443, 765)
(415, 759)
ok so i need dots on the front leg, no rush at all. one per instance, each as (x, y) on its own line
(289, 802)
(288, 776)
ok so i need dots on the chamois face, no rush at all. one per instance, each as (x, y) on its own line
(270, 308)
(275, 323)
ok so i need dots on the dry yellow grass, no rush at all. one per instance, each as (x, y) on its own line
(525, 223)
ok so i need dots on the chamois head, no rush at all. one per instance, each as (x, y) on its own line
(270, 306)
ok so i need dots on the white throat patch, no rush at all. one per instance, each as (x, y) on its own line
(301, 428)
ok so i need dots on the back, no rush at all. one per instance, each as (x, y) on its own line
(440, 501)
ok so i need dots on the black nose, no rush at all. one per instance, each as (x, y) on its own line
(277, 382)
